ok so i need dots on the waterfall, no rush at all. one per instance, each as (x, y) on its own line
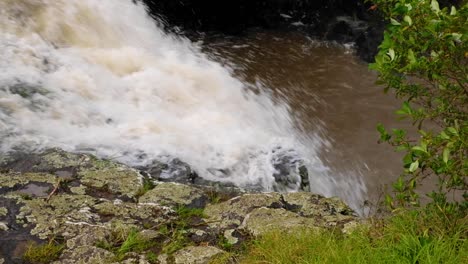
(102, 76)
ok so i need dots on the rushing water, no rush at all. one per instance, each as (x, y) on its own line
(327, 86)
(102, 76)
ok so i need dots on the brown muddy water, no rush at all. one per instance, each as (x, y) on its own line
(328, 89)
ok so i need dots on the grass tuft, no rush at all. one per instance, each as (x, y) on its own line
(124, 241)
(41, 254)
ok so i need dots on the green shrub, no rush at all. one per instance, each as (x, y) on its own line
(423, 59)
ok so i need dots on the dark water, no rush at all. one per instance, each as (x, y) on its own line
(327, 87)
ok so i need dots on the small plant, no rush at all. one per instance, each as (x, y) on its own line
(123, 241)
(216, 197)
(147, 186)
(41, 254)
(176, 232)
(152, 257)
(186, 214)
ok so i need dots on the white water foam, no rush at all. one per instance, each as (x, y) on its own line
(102, 75)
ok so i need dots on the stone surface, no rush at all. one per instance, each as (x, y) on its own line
(85, 255)
(232, 212)
(308, 204)
(175, 194)
(9, 180)
(96, 204)
(263, 219)
(196, 255)
(114, 178)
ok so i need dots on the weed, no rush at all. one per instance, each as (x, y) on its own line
(152, 257)
(147, 186)
(124, 241)
(46, 253)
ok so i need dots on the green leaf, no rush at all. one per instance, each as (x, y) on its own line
(445, 155)
(419, 148)
(414, 166)
(391, 54)
(435, 6)
(452, 130)
(457, 36)
(394, 22)
(411, 57)
(408, 20)
(405, 109)
(453, 11)
(409, 7)
(381, 128)
(444, 135)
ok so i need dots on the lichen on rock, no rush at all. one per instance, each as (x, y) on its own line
(263, 219)
(196, 255)
(175, 194)
(93, 205)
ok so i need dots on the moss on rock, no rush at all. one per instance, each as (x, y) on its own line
(232, 212)
(10, 180)
(196, 255)
(175, 194)
(263, 219)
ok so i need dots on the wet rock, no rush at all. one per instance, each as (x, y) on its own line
(174, 170)
(113, 178)
(196, 255)
(36, 190)
(49, 161)
(263, 219)
(309, 204)
(290, 171)
(62, 215)
(174, 194)
(10, 180)
(231, 213)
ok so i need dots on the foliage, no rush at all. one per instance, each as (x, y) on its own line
(39, 254)
(176, 232)
(124, 240)
(148, 185)
(423, 59)
(407, 237)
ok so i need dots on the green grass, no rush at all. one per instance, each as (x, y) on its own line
(147, 186)
(176, 232)
(41, 254)
(124, 241)
(408, 237)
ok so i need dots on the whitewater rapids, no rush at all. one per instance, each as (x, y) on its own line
(102, 76)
